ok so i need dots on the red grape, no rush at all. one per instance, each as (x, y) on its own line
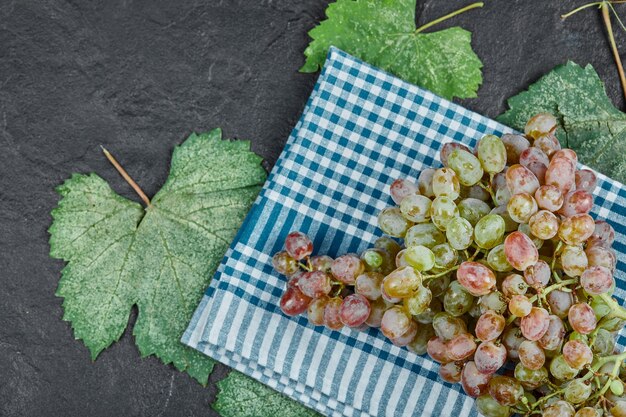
(476, 278)
(577, 354)
(347, 267)
(585, 180)
(332, 317)
(553, 337)
(531, 355)
(451, 372)
(597, 280)
(298, 245)
(400, 188)
(561, 173)
(538, 275)
(314, 284)
(520, 251)
(489, 325)
(489, 357)
(354, 310)
(316, 310)
(520, 179)
(576, 229)
(438, 350)
(576, 202)
(582, 318)
(549, 197)
(294, 302)
(535, 324)
(474, 382)
(461, 347)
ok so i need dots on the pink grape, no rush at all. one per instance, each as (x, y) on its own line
(505, 390)
(314, 284)
(566, 153)
(451, 372)
(489, 326)
(514, 284)
(549, 197)
(577, 354)
(597, 280)
(368, 285)
(395, 322)
(548, 143)
(531, 355)
(425, 182)
(316, 310)
(461, 347)
(400, 188)
(321, 263)
(284, 264)
(539, 169)
(347, 267)
(514, 145)
(294, 302)
(476, 278)
(438, 350)
(576, 202)
(582, 318)
(561, 173)
(520, 305)
(573, 260)
(520, 251)
(512, 338)
(332, 316)
(354, 311)
(540, 124)
(520, 179)
(535, 324)
(553, 337)
(474, 382)
(298, 245)
(560, 302)
(377, 310)
(448, 148)
(533, 155)
(407, 337)
(538, 275)
(489, 357)
(559, 408)
(544, 224)
(586, 180)
(603, 234)
(576, 229)
(601, 256)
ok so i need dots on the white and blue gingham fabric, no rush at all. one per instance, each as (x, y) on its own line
(361, 129)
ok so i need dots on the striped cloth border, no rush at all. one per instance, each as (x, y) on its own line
(360, 129)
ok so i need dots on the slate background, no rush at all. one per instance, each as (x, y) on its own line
(138, 77)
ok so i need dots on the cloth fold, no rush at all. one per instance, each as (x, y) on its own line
(360, 129)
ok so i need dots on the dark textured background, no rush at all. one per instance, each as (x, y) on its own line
(138, 77)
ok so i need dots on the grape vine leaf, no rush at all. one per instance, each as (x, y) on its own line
(589, 123)
(383, 33)
(241, 396)
(160, 258)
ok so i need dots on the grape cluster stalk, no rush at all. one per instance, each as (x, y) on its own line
(504, 278)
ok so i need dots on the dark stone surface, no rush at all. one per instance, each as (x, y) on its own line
(138, 77)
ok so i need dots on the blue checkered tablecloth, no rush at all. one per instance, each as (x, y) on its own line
(361, 129)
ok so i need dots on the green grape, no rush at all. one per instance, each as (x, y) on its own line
(467, 167)
(389, 245)
(612, 324)
(497, 259)
(424, 333)
(492, 154)
(509, 224)
(392, 222)
(447, 326)
(473, 209)
(419, 301)
(604, 343)
(415, 208)
(443, 210)
(617, 387)
(561, 370)
(457, 301)
(445, 256)
(425, 234)
(559, 408)
(521, 207)
(373, 258)
(525, 228)
(600, 308)
(420, 257)
(489, 407)
(401, 282)
(577, 391)
(446, 183)
(439, 285)
(489, 231)
(495, 301)
(427, 316)
(530, 378)
(505, 390)
(459, 233)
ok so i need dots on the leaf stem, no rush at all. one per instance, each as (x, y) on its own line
(448, 16)
(584, 6)
(618, 61)
(127, 177)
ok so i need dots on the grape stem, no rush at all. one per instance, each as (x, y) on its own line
(448, 16)
(126, 177)
(440, 274)
(616, 310)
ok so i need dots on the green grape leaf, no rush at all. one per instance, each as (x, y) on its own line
(383, 33)
(588, 122)
(241, 396)
(160, 258)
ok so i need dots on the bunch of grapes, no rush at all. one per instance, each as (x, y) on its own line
(504, 278)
